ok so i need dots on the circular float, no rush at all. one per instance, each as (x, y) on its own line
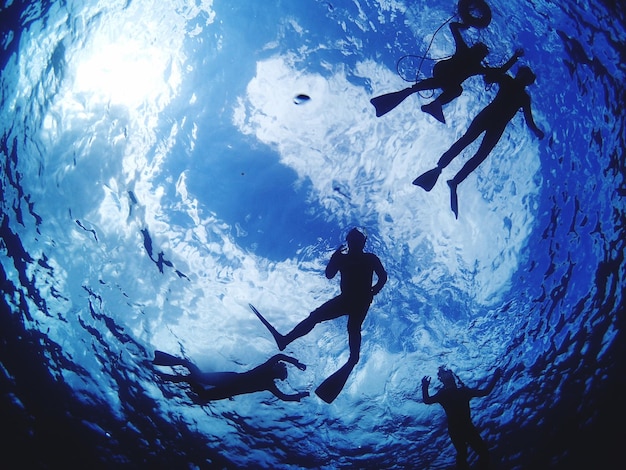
(475, 13)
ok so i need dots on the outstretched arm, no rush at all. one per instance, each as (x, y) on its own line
(509, 63)
(528, 115)
(455, 28)
(283, 357)
(425, 396)
(489, 388)
(495, 74)
(285, 397)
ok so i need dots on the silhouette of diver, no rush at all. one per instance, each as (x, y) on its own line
(357, 269)
(448, 75)
(492, 120)
(209, 386)
(455, 402)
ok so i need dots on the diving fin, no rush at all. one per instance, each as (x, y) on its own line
(434, 109)
(164, 359)
(385, 103)
(454, 201)
(277, 336)
(428, 179)
(330, 388)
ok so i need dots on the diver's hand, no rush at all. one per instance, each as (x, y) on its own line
(299, 365)
(302, 395)
(426, 381)
(519, 52)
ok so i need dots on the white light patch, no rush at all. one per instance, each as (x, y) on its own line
(361, 168)
(125, 73)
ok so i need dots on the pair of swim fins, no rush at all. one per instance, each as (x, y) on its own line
(385, 103)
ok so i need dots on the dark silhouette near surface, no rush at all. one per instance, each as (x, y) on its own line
(448, 75)
(357, 270)
(455, 402)
(209, 386)
(492, 120)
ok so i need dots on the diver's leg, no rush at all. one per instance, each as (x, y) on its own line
(486, 146)
(450, 93)
(480, 447)
(355, 322)
(329, 310)
(472, 133)
(426, 84)
(174, 378)
(435, 107)
(461, 450)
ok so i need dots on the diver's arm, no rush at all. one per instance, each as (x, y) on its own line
(455, 28)
(332, 267)
(285, 397)
(289, 359)
(509, 63)
(425, 396)
(528, 115)
(382, 276)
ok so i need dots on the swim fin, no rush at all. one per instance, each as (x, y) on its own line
(434, 109)
(164, 359)
(385, 103)
(333, 385)
(277, 336)
(454, 201)
(428, 179)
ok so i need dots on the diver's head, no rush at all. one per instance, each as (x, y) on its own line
(446, 376)
(355, 240)
(525, 75)
(280, 371)
(480, 50)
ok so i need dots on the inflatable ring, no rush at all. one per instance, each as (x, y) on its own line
(475, 13)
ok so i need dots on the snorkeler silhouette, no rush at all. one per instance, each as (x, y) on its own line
(448, 75)
(455, 402)
(492, 120)
(209, 386)
(357, 269)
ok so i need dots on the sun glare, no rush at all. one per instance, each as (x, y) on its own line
(128, 73)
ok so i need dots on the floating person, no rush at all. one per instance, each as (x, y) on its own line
(209, 386)
(449, 74)
(492, 120)
(357, 270)
(455, 402)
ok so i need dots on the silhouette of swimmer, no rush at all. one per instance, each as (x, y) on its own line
(357, 269)
(492, 120)
(448, 75)
(455, 402)
(210, 386)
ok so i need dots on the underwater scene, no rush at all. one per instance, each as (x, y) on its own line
(375, 234)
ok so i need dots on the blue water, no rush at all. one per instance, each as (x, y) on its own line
(157, 176)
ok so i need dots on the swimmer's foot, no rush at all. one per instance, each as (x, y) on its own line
(454, 202)
(434, 109)
(280, 339)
